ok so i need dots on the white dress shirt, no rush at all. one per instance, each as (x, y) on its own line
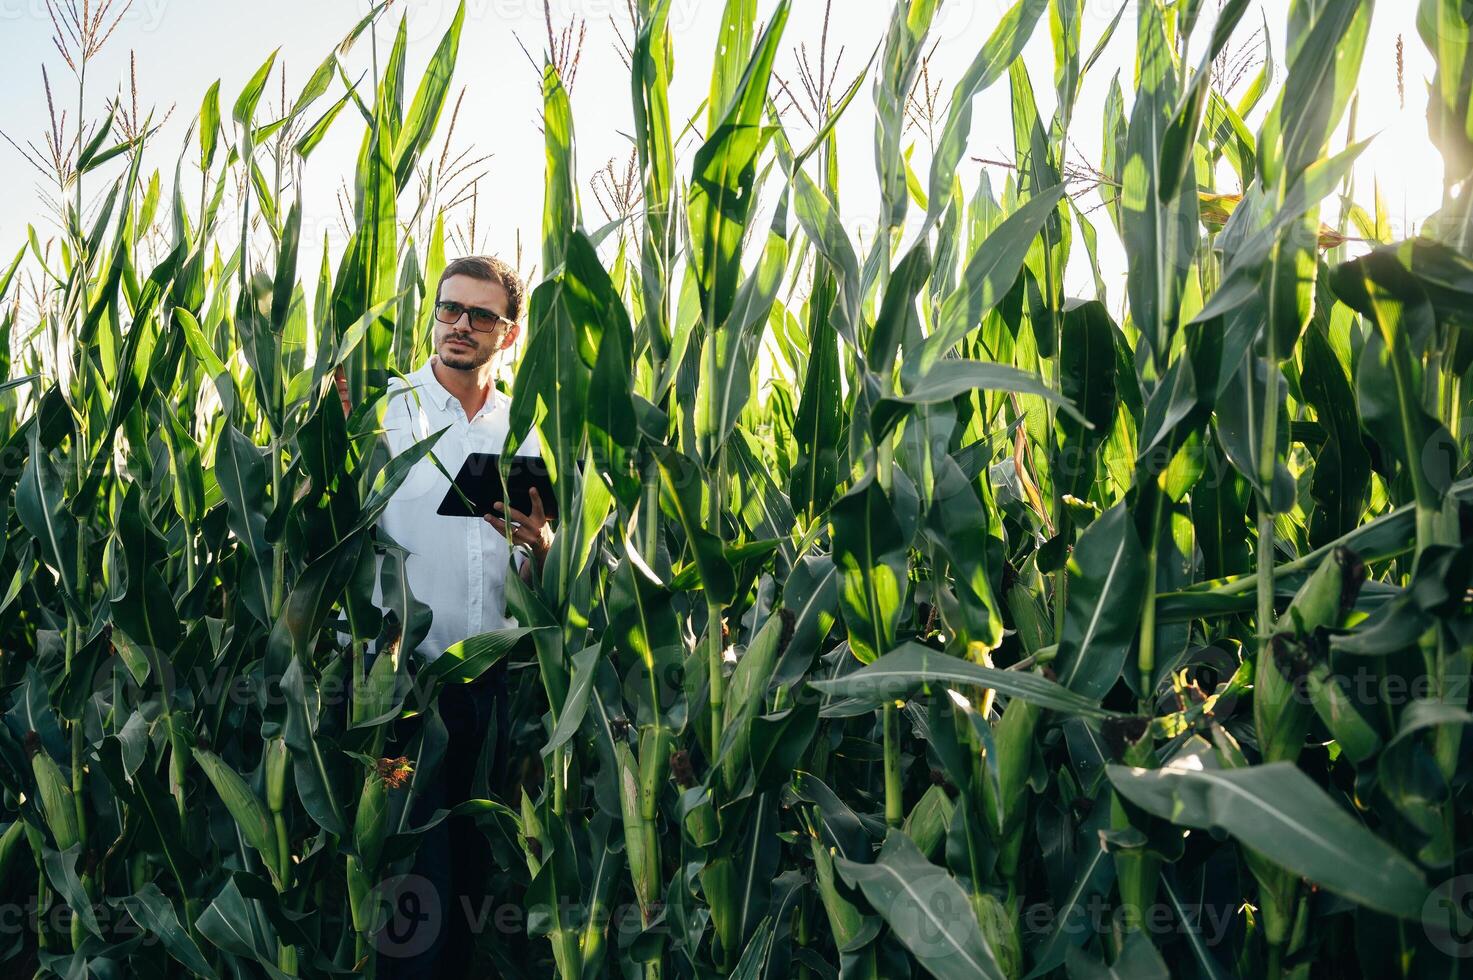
(456, 565)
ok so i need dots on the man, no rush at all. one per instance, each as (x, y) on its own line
(458, 567)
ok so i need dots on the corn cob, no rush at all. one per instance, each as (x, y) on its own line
(1323, 599)
(11, 844)
(371, 819)
(1276, 887)
(1030, 619)
(845, 920)
(1355, 736)
(1004, 813)
(928, 820)
(244, 805)
(375, 696)
(1000, 930)
(1281, 710)
(277, 765)
(58, 805)
(642, 864)
(1136, 869)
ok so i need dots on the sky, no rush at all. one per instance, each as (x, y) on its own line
(182, 46)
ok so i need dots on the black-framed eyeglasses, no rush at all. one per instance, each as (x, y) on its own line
(485, 321)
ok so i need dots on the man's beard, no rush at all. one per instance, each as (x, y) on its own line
(461, 359)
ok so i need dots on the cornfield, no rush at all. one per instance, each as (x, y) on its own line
(908, 616)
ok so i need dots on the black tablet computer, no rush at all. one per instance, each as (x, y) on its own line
(479, 480)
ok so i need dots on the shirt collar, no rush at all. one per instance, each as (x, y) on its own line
(431, 391)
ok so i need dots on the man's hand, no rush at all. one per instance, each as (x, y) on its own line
(532, 530)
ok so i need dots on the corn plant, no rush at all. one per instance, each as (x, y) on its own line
(907, 616)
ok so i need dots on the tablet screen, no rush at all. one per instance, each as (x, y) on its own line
(479, 480)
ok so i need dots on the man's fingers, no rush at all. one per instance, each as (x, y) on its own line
(538, 514)
(515, 515)
(520, 534)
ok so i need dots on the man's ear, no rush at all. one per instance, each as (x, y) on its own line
(512, 333)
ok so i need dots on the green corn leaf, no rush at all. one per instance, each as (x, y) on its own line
(1401, 765)
(820, 418)
(723, 173)
(1103, 42)
(602, 323)
(1240, 408)
(1139, 959)
(314, 783)
(1086, 380)
(650, 68)
(240, 473)
(94, 144)
(897, 320)
(819, 219)
(575, 709)
(1094, 875)
(765, 510)
(61, 869)
(927, 909)
(429, 102)
(900, 62)
(560, 212)
(41, 507)
(640, 615)
(1106, 582)
(958, 525)
(680, 496)
(316, 87)
(245, 104)
(146, 611)
(1228, 134)
(1322, 75)
(1342, 472)
(909, 666)
(200, 348)
(1001, 50)
(233, 924)
(951, 377)
(1281, 813)
(730, 351)
(318, 131)
(989, 276)
(1388, 377)
(463, 662)
(209, 127)
(1177, 160)
(733, 48)
(870, 553)
(1159, 230)
(155, 914)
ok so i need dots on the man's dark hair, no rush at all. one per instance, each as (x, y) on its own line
(488, 269)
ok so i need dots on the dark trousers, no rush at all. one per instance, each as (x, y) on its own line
(441, 905)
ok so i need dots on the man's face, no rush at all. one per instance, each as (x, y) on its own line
(459, 345)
